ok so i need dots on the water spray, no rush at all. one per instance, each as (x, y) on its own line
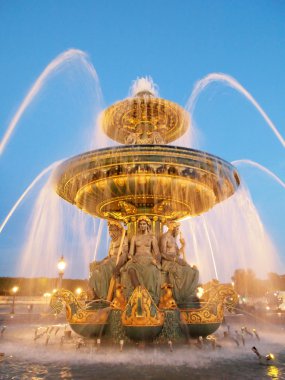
(256, 334)
(3, 328)
(47, 339)
(264, 360)
(248, 332)
(212, 340)
(170, 345)
(200, 343)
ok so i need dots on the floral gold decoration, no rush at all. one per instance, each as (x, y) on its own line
(212, 309)
(141, 310)
(75, 313)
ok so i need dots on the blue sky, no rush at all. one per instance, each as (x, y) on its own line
(176, 43)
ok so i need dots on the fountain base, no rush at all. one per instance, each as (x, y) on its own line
(142, 320)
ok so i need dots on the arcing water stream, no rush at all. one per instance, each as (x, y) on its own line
(261, 167)
(232, 82)
(26, 192)
(64, 58)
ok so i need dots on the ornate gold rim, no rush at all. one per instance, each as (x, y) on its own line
(96, 181)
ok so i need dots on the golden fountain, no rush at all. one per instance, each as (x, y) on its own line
(145, 179)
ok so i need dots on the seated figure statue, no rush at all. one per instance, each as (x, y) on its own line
(181, 275)
(143, 267)
(102, 271)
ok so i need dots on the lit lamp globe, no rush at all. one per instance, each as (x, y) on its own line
(78, 291)
(14, 291)
(61, 265)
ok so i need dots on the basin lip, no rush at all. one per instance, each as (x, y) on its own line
(144, 148)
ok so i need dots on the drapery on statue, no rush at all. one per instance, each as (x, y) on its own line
(101, 271)
(181, 275)
(143, 267)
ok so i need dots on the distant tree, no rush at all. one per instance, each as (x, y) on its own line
(276, 281)
(245, 283)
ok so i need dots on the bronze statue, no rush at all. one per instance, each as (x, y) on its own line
(101, 271)
(143, 267)
(181, 275)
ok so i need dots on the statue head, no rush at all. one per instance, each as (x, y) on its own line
(174, 228)
(115, 229)
(144, 223)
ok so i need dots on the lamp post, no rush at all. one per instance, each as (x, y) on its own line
(61, 267)
(14, 291)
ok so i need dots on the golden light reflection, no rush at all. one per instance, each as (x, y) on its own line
(200, 292)
(270, 357)
(273, 372)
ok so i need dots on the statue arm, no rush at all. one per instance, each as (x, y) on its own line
(155, 248)
(124, 254)
(123, 257)
(163, 242)
(181, 251)
(132, 247)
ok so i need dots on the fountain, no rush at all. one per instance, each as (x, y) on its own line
(145, 289)
(141, 187)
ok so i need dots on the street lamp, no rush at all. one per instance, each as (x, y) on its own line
(61, 267)
(14, 291)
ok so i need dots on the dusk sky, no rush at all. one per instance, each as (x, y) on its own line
(177, 43)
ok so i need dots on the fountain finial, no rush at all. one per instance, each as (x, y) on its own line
(144, 86)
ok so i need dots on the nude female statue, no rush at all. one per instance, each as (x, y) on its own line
(143, 266)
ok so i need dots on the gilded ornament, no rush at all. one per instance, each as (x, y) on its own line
(219, 295)
(166, 300)
(141, 310)
(75, 313)
(119, 302)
